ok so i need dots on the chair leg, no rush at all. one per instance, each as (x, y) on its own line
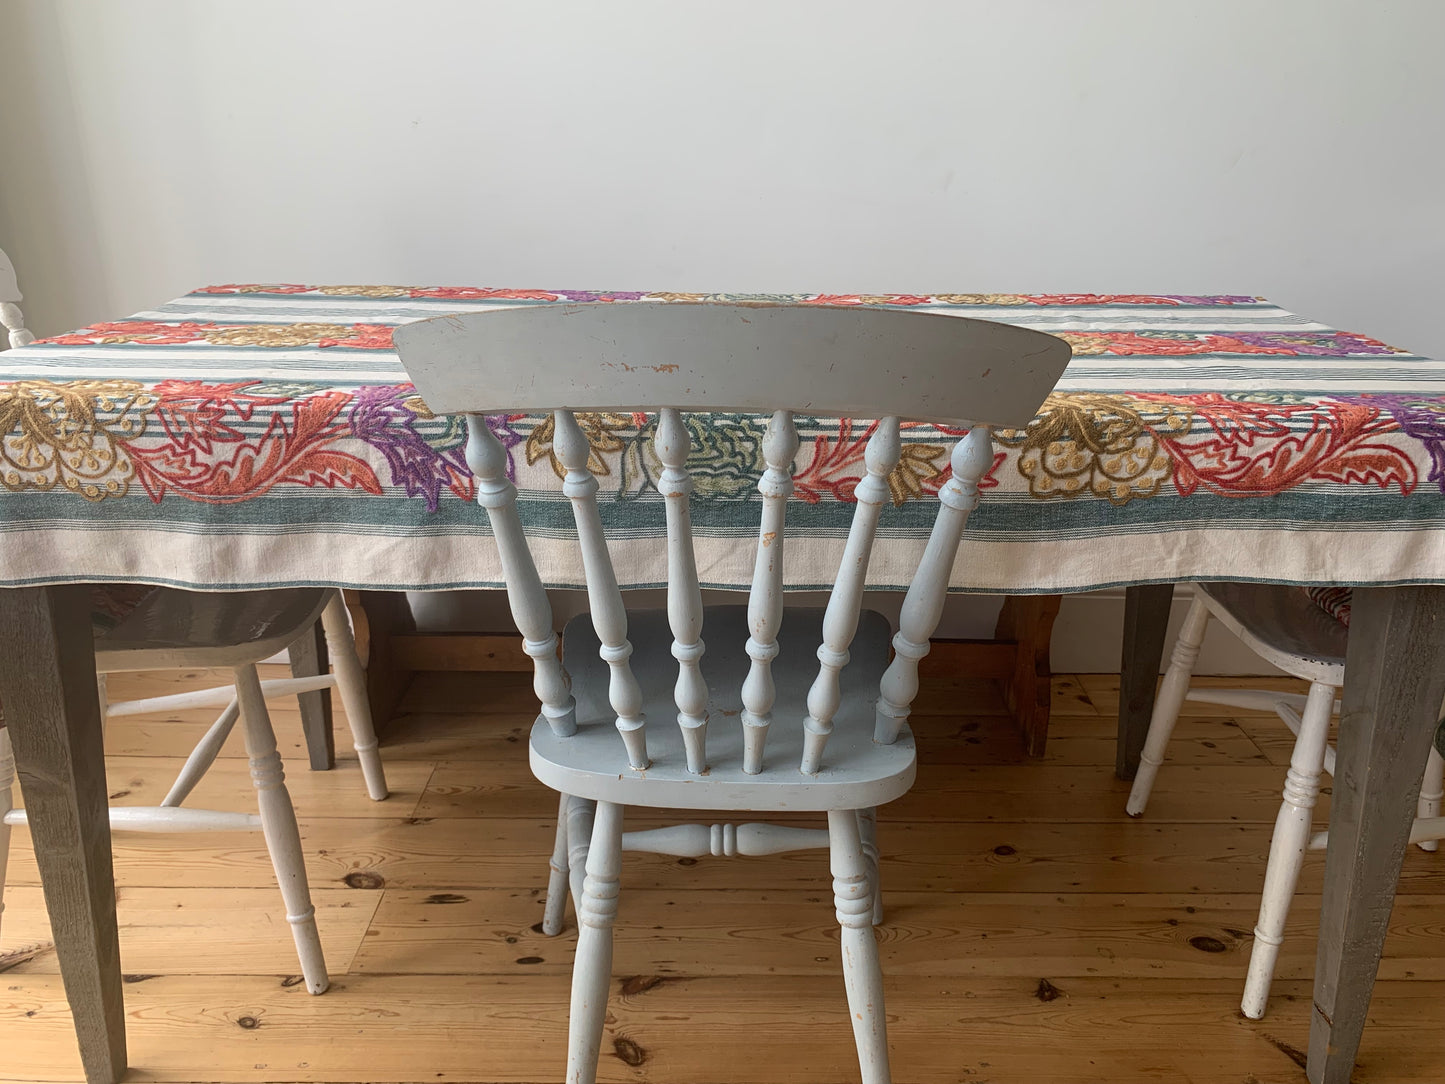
(862, 975)
(351, 684)
(1167, 704)
(278, 822)
(580, 815)
(555, 906)
(868, 832)
(7, 782)
(1432, 790)
(1287, 847)
(592, 969)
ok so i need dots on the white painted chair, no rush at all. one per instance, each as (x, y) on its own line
(1285, 628)
(182, 629)
(853, 750)
(172, 629)
(338, 634)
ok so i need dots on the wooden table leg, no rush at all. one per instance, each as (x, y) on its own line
(1394, 682)
(1146, 621)
(47, 685)
(308, 658)
(378, 616)
(1028, 620)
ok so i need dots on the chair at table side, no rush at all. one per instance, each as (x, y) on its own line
(317, 745)
(1285, 628)
(347, 678)
(853, 750)
(172, 629)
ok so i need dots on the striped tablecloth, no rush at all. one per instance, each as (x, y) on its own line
(265, 434)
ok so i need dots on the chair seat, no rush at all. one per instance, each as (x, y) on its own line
(171, 627)
(857, 773)
(1284, 626)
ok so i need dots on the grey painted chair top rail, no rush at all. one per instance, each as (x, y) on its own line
(867, 363)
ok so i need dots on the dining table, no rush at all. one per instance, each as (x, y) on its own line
(265, 435)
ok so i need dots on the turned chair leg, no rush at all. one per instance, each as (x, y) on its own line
(868, 832)
(278, 822)
(580, 815)
(1287, 847)
(592, 969)
(862, 974)
(7, 782)
(351, 684)
(1167, 704)
(1432, 790)
(555, 906)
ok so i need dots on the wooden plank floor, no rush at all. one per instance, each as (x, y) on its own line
(1033, 932)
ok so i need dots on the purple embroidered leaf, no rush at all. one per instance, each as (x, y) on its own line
(381, 417)
(1418, 416)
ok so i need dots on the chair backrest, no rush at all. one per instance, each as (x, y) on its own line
(10, 316)
(674, 356)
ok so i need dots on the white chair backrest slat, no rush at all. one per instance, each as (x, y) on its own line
(840, 619)
(684, 596)
(609, 616)
(923, 604)
(765, 599)
(670, 357)
(530, 609)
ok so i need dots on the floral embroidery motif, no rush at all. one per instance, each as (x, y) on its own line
(1418, 417)
(1096, 443)
(1178, 344)
(837, 466)
(725, 461)
(1252, 449)
(472, 293)
(259, 288)
(603, 438)
(385, 417)
(70, 435)
(1095, 299)
(206, 455)
(361, 336)
(143, 332)
(364, 291)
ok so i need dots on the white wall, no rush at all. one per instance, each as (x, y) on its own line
(1290, 148)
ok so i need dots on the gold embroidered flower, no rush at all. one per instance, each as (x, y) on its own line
(70, 434)
(983, 299)
(918, 464)
(363, 291)
(1097, 443)
(602, 439)
(276, 334)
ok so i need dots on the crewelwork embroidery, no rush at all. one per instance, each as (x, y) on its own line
(70, 435)
(1097, 443)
